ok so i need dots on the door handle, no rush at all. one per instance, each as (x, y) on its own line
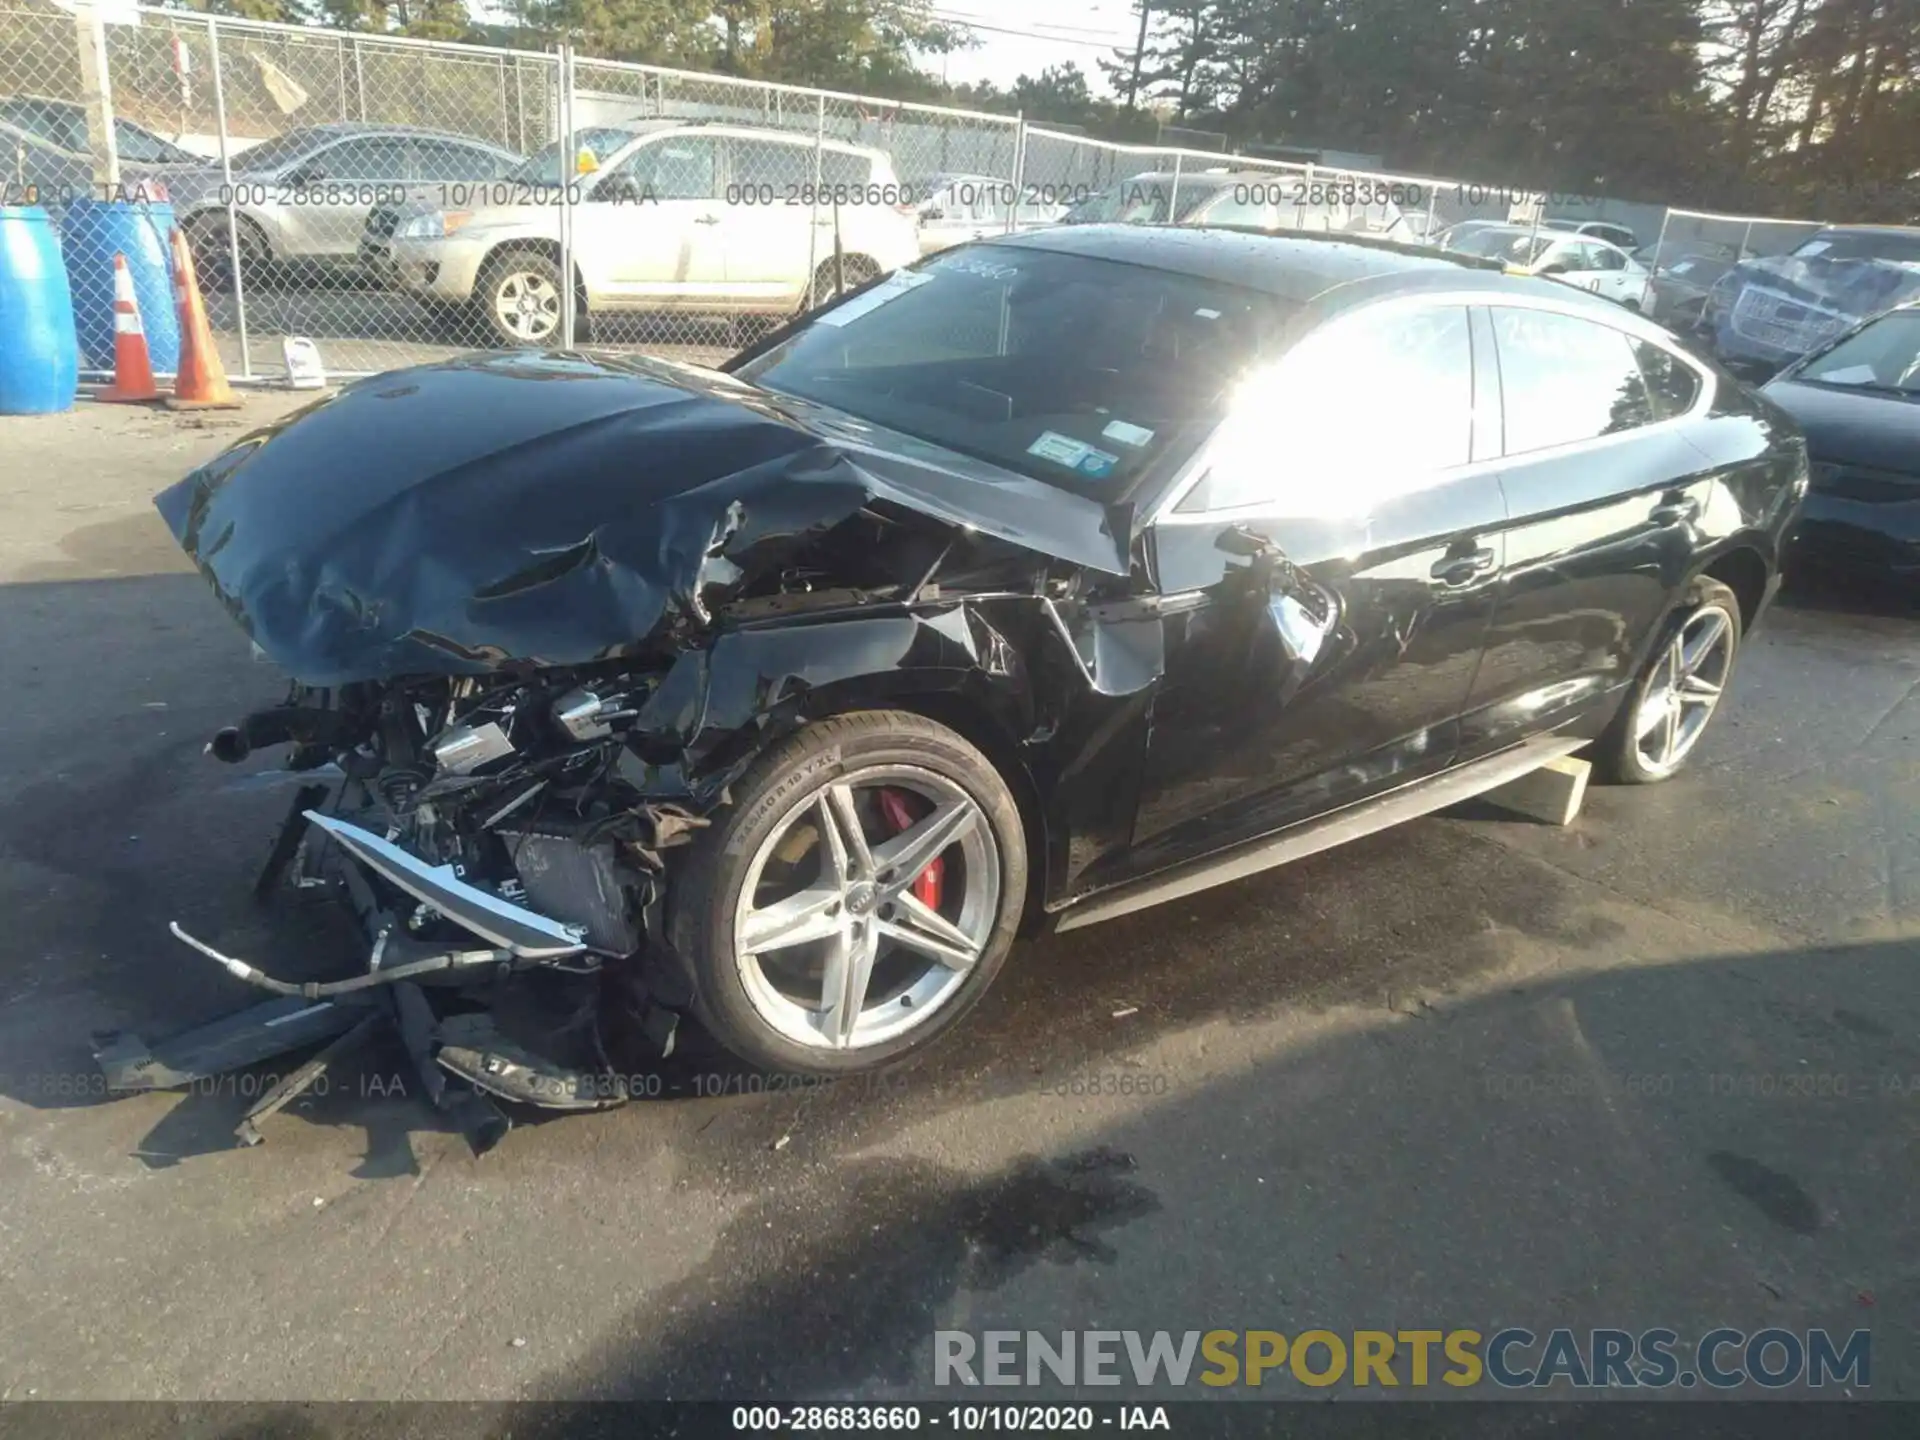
(1462, 566)
(1676, 507)
(706, 219)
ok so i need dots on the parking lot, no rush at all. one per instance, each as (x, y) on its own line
(1658, 1068)
(358, 325)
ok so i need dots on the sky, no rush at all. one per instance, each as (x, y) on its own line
(1023, 37)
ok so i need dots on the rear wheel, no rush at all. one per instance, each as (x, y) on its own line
(854, 271)
(856, 900)
(1677, 693)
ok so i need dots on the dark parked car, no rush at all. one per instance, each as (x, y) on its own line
(1250, 199)
(1859, 402)
(1769, 311)
(46, 159)
(1060, 575)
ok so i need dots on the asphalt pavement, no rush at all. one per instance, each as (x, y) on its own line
(1659, 1068)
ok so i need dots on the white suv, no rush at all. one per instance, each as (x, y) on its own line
(668, 215)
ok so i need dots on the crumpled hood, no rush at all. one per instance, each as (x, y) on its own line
(1853, 288)
(556, 510)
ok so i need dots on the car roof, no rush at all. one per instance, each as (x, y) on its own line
(655, 125)
(1167, 177)
(347, 129)
(1298, 266)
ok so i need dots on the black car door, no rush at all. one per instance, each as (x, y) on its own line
(1603, 488)
(1326, 583)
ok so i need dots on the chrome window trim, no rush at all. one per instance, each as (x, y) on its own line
(1197, 464)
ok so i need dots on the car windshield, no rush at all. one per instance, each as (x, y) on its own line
(1516, 247)
(1143, 200)
(543, 167)
(1884, 355)
(1840, 245)
(1084, 373)
(143, 147)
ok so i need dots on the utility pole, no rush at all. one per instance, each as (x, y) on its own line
(1139, 51)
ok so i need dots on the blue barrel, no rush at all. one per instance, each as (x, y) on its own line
(92, 232)
(39, 361)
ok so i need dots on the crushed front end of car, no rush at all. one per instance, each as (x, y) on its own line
(538, 612)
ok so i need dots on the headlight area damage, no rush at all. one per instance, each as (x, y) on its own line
(539, 613)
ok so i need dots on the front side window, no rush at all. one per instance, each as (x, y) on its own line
(371, 159)
(1306, 435)
(1565, 379)
(1672, 385)
(1088, 374)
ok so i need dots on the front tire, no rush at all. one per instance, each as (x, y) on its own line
(519, 295)
(878, 862)
(1678, 692)
(210, 237)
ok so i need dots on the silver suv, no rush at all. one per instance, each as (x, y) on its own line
(671, 215)
(305, 195)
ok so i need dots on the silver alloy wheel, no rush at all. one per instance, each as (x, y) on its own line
(527, 304)
(848, 956)
(1683, 690)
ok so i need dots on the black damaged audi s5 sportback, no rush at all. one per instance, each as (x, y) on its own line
(1059, 575)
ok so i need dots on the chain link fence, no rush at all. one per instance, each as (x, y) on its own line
(398, 201)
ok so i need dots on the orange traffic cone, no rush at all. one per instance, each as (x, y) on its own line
(201, 383)
(132, 366)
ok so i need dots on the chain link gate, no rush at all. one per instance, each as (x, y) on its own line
(401, 201)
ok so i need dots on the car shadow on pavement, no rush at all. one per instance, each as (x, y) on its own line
(1725, 1140)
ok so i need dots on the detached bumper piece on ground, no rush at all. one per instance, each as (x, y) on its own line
(513, 1015)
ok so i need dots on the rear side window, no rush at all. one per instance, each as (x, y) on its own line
(1672, 385)
(839, 168)
(1242, 205)
(1565, 379)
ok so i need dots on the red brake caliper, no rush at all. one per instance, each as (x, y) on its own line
(898, 812)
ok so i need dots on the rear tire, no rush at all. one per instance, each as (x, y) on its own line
(801, 860)
(1677, 693)
(856, 270)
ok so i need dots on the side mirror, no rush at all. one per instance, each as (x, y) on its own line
(617, 190)
(1556, 267)
(307, 173)
(1302, 612)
